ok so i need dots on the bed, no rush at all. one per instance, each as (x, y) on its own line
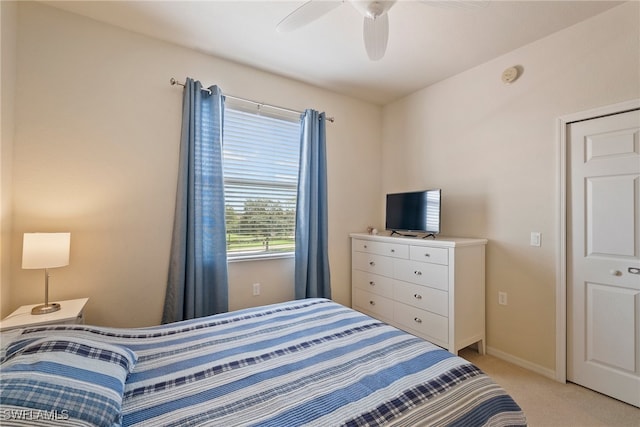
(307, 362)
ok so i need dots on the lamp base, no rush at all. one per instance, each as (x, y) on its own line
(45, 308)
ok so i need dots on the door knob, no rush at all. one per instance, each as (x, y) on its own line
(615, 272)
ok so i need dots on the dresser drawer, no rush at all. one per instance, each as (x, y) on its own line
(381, 248)
(374, 283)
(371, 263)
(427, 254)
(374, 304)
(422, 273)
(432, 326)
(423, 297)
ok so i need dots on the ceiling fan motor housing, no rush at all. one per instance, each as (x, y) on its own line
(372, 9)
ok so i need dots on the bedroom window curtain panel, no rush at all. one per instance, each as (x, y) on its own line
(197, 284)
(312, 278)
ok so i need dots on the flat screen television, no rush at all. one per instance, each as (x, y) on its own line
(417, 211)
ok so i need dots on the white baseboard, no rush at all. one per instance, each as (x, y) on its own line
(546, 372)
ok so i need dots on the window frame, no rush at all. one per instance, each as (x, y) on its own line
(248, 107)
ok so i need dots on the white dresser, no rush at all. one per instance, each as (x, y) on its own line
(433, 289)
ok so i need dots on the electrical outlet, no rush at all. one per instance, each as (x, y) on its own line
(502, 298)
(256, 289)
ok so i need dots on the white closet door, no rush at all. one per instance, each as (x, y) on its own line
(604, 256)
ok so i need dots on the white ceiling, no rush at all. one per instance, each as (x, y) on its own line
(427, 42)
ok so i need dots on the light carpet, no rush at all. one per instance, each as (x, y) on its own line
(549, 403)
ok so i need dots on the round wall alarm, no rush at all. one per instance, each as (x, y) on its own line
(510, 75)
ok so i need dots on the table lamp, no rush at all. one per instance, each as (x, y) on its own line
(45, 250)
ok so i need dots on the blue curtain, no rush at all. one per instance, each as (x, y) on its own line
(197, 283)
(311, 258)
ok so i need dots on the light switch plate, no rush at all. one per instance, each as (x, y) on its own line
(536, 238)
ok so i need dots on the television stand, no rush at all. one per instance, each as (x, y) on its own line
(434, 289)
(393, 232)
(402, 234)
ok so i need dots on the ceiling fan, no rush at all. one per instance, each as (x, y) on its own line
(376, 20)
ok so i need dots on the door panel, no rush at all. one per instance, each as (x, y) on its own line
(621, 143)
(611, 224)
(605, 348)
(603, 249)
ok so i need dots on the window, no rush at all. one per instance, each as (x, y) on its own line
(261, 153)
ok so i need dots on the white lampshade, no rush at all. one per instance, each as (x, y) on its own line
(45, 250)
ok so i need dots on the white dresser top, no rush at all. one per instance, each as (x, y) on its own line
(439, 241)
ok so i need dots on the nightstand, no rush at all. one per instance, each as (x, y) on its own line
(71, 312)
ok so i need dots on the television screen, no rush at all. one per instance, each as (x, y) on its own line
(416, 211)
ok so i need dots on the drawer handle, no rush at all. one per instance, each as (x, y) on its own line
(365, 246)
(393, 251)
(372, 303)
(427, 255)
(418, 273)
(417, 296)
(417, 320)
(372, 283)
(371, 263)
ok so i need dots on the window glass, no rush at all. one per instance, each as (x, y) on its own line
(260, 160)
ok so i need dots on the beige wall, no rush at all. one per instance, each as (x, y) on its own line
(8, 19)
(96, 146)
(493, 150)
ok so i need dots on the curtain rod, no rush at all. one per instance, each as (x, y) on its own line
(174, 82)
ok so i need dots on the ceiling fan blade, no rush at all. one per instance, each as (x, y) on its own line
(308, 12)
(376, 35)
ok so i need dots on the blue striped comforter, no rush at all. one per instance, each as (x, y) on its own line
(307, 362)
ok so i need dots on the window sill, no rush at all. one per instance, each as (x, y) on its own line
(259, 257)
